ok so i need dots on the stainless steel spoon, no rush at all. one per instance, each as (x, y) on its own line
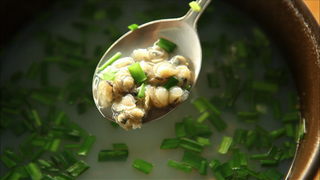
(182, 31)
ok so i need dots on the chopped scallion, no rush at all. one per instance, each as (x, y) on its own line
(142, 90)
(166, 45)
(112, 155)
(133, 27)
(191, 145)
(137, 73)
(179, 166)
(142, 165)
(110, 61)
(86, 145)
(170, 143)
(195, 6)
(173, 81)
(76, 169)
(192, 159)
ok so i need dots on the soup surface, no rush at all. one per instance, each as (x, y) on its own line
(239, 62)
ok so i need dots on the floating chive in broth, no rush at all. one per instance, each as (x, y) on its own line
(233, 48)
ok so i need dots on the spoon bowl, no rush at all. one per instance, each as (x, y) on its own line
(182, 31)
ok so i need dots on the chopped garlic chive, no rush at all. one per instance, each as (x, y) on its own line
(133, 27)
(166, 45)
(179, 166)
(225, 144)
(110, 61)
(137, 73)
(142, 165)
(195, 6)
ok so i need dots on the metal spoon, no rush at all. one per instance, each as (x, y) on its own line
(182, 31)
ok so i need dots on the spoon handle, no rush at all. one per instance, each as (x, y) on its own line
(192, 17)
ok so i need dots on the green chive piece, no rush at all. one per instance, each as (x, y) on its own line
(119, 146)
(173, 81)
(191, 145)
(252, 139)
(291, 117)
(276, 109)
(73, 126)
(7, 161)
(261, 130)
(33, 70)
(12, 155)
(259, 156)
(62, 176)
(213, 80)
(250, 171)
(242, 175)
(265, 87)
(142, 90)
(302, 128)
(217, 122)
(34, 171)
(44, 163)
(203, 168)
(225, 170)
(277, 133)
(192, 159)
(204, 141)
(189, 126)
(71, 146)
(86, 145)
(22, 171)
(289, 130)
(179, 166)
(203, 130)
(247, 117)
(47, 177)
(26, 151)
(273, 174)
(6, 176)
(60, 118)
(110, 61)
(214, 164)
(112, 155)
(15, 176)
(231, 89)
(199, 104)
(243, 159)
(37, 154)
(240, 135)
(236, 159)
(268, 162)
(137, 73)
(73, 135)
(36, 117)
(78, 168)
(109, 73)
(55, 145)
(195, 6)
(38, 142)
(67, 158)
(133, 27)
(180, 130)
(203, 117)
(171, 143)
(225, 144)
(166, 45)
(218, 175)
(202, 104)
(142, 165)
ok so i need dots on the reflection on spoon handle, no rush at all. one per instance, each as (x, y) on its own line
(192, 17)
